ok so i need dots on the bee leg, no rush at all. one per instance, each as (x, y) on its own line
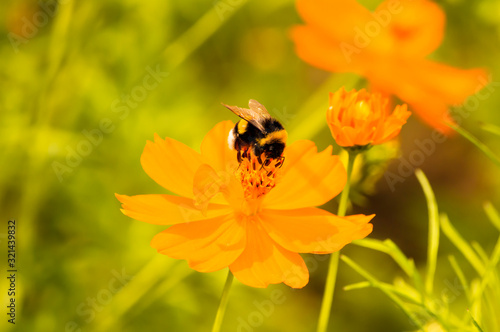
(280, 163)
(238, 155)
(258, 153)
(266, 162)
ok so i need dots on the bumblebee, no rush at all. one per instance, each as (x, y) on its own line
(258, 131)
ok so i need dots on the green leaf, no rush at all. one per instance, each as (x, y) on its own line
(490, 276)
(372, 244)
(492, 214)
(377, 284)
(480, 252)
(475, 323)
(406, 264)
(452, 234)
(491, 128)
(461, 277)
(433, 237)
(407, 292)
(480, 145)
(358, 285)
(130, 298)
(390, 248)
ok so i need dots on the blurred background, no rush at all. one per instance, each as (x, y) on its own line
(84, 84)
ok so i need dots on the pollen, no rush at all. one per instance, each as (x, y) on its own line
(258, 179)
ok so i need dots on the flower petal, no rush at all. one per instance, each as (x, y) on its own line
(415, 29)
(308, 178)
(208, 245)
(451, 85)
(337, 18)
(215, 149)
(337, 38)
(428, 86)
(391, 126)
(166, 209)
(209, 185)
(314, 230)
(318, 49)
(264, 262)
(435, 114)
(171, 164)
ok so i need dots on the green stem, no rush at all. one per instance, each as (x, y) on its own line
(223, 303)
(344, 197)
(326, 304)
(480, 145)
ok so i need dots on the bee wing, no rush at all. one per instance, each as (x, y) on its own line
(259, 109)
(255, 115)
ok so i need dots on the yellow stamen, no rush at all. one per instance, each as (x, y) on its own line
(258, 179)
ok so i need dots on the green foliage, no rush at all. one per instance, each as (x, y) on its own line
(426, 307)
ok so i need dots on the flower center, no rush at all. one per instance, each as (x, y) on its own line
(361, 110)
(257, 179)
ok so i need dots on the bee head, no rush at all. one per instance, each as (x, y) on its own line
(274, 149)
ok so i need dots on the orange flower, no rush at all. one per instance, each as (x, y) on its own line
(358, 118)
(253, 219)
(387, 47)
